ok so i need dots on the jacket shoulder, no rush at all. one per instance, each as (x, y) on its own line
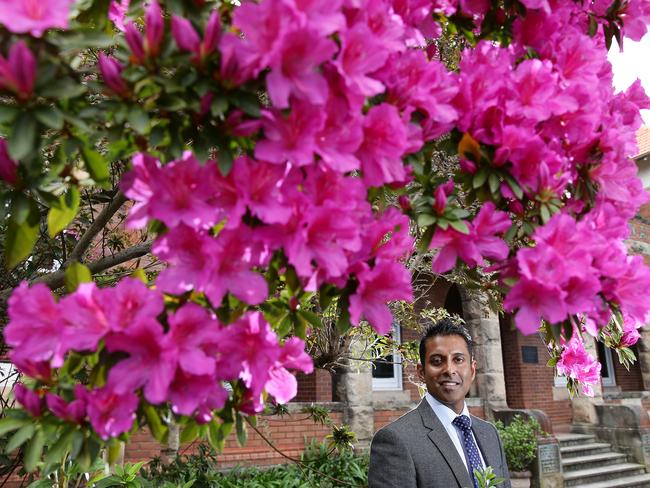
(403, 424)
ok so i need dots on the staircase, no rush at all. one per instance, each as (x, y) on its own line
(589, 463)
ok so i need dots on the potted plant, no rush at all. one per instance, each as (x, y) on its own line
(519, 439)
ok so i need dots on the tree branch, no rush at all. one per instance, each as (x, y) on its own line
(96, 227)
(55, 280)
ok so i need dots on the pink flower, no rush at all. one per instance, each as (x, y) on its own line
(387, 237)
(259, 185)
(34, 16)
(290, 139)
(486, 225)
(85, 320)
(8, 167)
(264, 26)
(324, 236)
(323, 15)
(29, 399)
(151, 363)
(129, 302)
(535, 301)
(386, 282)
(189, 393)
(362, 53)
(110, 413)
(34, 329)
(294, 68)
(191, 330)
(384, 144)
(74, 411)
(575, 362)
(440, 196)
(182, 191)
(214, 266)
(111, 71)
(282, 385)
(117, 12)
(253, 347)
(251, 343)
(18, 71)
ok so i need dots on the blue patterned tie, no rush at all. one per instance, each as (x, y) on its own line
(472, 455)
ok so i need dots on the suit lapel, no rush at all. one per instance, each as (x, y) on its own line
(483, 435)
(440, 438)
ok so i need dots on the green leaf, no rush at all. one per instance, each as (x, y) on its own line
(50, 117)
(480, 178)
(96, 166)
(139, 120)
(9, 424)
(493, 181)
(114, 451)
(63, 89)
(34, 451)
(544, 213)
(75, 274)
(158, 430)
(460, 226)
(20, 437)
(225, 160)
(311, 317)
(22, 140)
(189, 433)
(22, 233)
(248, 102)
(425, 220)
(7, 113)
(57, 451)
(62, 214)
(240, 427)
(514, 186)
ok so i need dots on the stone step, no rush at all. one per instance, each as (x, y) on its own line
(604, 473)
(584, 449)
(592, 461)
(574, 439)
(638, 481)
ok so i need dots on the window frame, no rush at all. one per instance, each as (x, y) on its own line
(394, 383)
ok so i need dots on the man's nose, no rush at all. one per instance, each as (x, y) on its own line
(450, 367)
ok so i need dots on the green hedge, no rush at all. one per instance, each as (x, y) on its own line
(519, 439)
(320, 468)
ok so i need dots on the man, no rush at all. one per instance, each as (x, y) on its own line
(438, 444)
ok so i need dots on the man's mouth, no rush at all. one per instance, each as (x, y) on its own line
(449, 384)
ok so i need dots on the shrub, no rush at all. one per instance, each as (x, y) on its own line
(519, 439)
(320, 468)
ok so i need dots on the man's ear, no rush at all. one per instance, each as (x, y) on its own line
(420, 371)
(473, 369)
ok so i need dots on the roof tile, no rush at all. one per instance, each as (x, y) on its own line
(643, 140)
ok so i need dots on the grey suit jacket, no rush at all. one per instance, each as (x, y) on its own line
(415, 451)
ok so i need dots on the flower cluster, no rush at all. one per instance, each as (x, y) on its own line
(184, 360)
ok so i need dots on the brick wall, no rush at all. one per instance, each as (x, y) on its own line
(290, 434)
(531, 385)
(628, 380)
(315, 387)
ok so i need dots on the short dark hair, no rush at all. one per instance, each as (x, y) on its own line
(445, 327)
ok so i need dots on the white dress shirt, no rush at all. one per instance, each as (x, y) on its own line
(446, 416)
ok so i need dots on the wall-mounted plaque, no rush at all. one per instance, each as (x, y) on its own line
(529, 354)
(549, 458)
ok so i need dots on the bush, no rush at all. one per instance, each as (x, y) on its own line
(320, 468)
(519, 439)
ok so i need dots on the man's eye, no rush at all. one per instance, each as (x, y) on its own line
(460, 359)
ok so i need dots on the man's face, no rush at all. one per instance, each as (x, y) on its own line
(448, 370)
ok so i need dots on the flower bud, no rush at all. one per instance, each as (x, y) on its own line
(154, 29)
(18, 71)
(8, 167)
(404, 203)
(111, 71)
(135, 42)
(185, 35)
(29, 399)
(212, 35)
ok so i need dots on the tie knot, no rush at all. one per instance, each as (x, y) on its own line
(463, 422)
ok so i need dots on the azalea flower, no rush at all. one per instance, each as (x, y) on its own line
(34, 16)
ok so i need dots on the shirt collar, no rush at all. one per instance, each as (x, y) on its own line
(445, 414)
